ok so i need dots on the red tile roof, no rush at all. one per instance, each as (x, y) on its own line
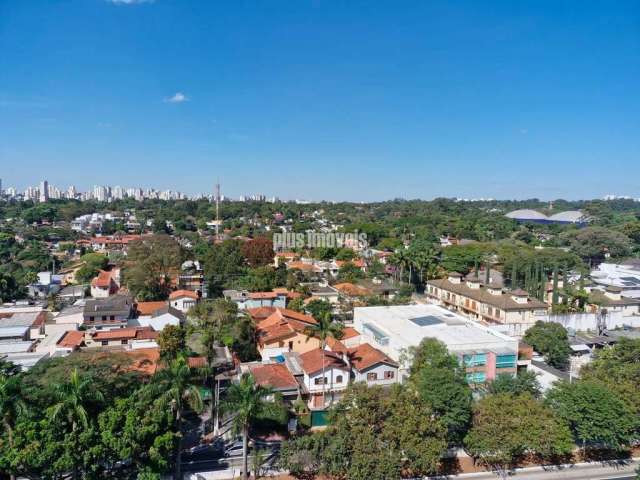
(103, 280)
(260, 313)
(336, 345)
(71, 339)
(312, 361)
(183, 293)
(352, 290)
(143, 333)
(349, 332)
(197, 362)
(364, 356)
(147, 308)
(275, 375)
(262, 295)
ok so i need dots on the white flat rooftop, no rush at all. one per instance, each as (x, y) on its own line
(409, 324)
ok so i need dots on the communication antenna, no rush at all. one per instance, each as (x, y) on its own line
(218, 209)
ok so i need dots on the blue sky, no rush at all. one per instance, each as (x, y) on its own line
(354, 100)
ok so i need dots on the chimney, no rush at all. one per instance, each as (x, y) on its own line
(494, 289)
(473, 283)
(520, 296)
(455, 277)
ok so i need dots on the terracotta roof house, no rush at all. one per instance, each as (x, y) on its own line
(146, 309)
(372, 366)
(122, 337)
(284, 331)
(71, 341)
(323, 390)
(277, 377)
(183, 300)
(106, 283)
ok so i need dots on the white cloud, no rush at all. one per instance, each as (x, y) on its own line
(129, 2)
(178, 97)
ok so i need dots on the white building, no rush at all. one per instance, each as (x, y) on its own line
(624, 276)
(395, 330)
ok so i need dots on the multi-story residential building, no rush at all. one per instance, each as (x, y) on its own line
(107, 313)
(488, 304)
(394, 330)
(106, 283)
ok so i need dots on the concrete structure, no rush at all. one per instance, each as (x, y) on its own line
(489, 304)
(395, 330)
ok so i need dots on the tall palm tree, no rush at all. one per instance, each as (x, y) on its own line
(209, 340)
(323, 330)
(11, 406)
(247, 401)
(175, 386)
(73, 398)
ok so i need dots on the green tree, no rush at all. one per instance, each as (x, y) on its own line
(373, 433)
(71, 412)
(592, 244)
(137, 431)
(507, 427)
(176, 390)
(551, 340)
(172, 341)
(524, 382)
(618, 369)
(441, 382)
(151, 263)
(11, 406)
(247, 401)
(595, 415)
(350, 273)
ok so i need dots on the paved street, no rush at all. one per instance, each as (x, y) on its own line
(591, 471)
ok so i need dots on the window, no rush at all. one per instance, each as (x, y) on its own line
(320, 381)
(290, 345)
(372, 376)
(123, 342)
(104, 317)
(104, 342)
(112, 317)
(91, 319)
(475, 360)
(339, 379)
(389, 374)
(476, 377)
(506, 361)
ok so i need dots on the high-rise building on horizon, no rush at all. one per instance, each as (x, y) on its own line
(44, 191)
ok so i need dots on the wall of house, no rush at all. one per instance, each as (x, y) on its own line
(183, 304)
(300, 343)
(380, 371)
(331, 374)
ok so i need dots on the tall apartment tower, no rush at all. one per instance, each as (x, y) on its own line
(44, 191)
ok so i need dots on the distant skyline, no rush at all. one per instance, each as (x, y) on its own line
(320, 100)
